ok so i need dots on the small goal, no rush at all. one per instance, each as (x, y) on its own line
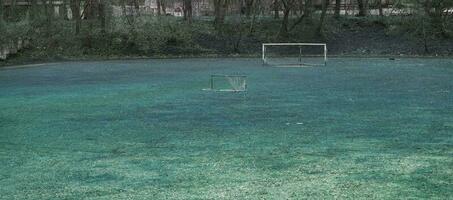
(294, 54)
(228, 83)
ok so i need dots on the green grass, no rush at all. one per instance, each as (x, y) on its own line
(144, 129)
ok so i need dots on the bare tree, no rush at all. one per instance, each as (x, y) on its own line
(288, 6)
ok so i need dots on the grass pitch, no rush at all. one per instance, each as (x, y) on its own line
(145, 129)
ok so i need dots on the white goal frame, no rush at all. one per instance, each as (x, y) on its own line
(212, 85)
(324, 45)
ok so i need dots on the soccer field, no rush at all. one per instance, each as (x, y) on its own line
(145, 129)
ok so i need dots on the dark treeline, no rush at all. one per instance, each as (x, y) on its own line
(166, 27)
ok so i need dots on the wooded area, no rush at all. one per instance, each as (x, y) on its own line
(150, 28)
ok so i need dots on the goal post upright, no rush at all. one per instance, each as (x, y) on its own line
(300, 45)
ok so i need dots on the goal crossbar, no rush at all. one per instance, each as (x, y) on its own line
(300, 45)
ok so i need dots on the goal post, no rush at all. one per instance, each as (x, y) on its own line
(228, 83)
(294, 54)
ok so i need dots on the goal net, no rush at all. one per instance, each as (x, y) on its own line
(295, 54)
(228, 83)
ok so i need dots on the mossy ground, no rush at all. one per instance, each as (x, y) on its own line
(145, 129)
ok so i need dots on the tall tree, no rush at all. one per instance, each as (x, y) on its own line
(439, 15)
(337, 8)
(34, 9)
(187, 8)
(276, 7)
(64, 10)
(363, 7)
(287, 6)
(158, 7)
(137, 7)
(324, 4)
(220, 7)
(12, 9)
(1, 11)
(102, 14)
(308, 8)
(381, 11)
(90, 9)
(49, 13)
(75, 7)
(255, 9)
(249, 7)
(163, 6)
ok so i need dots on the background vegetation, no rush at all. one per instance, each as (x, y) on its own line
(234, 27)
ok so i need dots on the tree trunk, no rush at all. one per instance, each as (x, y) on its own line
(91, 9)
(249, 7)
(381, 11)
(1, 12)
(363, 7)
(284, 28)
(163, 5)
(137, 7)
(158, 7)
(337, 8)
(75, 7)
(425, 38)
(255, 10)
(65, 10)
(34, 9)
(324, 4)
(48, 8)
(287, 6)
(427, 7)
(187, 8)
(308, 8)
(220, 7)
(276, 9)
(12, 10)
(102, 17)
